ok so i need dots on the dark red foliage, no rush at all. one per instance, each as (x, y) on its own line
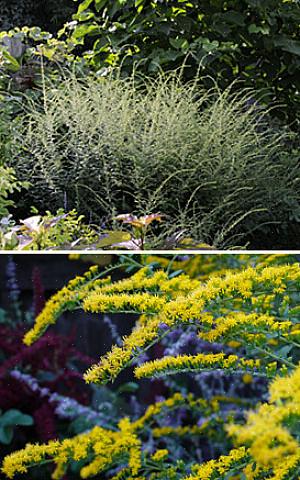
(45, 422)
(51, 352)
(10, 339)
(53, 355)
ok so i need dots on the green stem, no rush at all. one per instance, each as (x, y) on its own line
(170, 265)
(227, 371)
(276, 357)
(131, 260)
(284, 339)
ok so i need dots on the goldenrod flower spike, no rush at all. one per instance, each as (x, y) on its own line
(105, 445)
(254, 308)
(220, 467)
(191, 308)
(109, 296)
(67, 298)
(267, 431)
(196, 363)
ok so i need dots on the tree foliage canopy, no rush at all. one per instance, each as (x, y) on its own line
(255, 41)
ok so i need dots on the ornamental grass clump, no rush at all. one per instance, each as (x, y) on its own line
(243, 321)
(208, 160)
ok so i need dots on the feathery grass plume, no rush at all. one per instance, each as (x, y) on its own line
(206, 159)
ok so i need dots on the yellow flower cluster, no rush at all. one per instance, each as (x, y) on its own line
(195, 363)
(271, 431)
(239, 324)
(160, 455)
(18, 462)
(180, 300)
(109, 296)
(100, 447)
(148, 281)
(175, 401)
(255, 306)
(207, 265)
(120, 357)
(138, 303)
(104, 446)
(68, 297)
(221, 466)
(271, 445)
(190, 308)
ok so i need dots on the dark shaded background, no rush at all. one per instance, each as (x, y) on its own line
(49, 15)
(93, 337)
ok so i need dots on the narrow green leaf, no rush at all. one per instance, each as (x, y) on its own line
(99, 4)
(84, 5)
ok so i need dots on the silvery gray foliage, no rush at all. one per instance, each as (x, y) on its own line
(65, 407)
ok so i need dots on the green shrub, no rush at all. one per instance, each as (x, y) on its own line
(8, 185)
(208, 160)
(254, 40)
(25, 53)
(47, 232)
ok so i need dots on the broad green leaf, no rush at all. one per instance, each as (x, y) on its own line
(15, 417)
(100, 4)
(116, 6)
(128, 387)
(235, 18)
(84, 30)
(179, 43)
(176, 273)
(263, 29)
(84, 16)
(113, 237)
(6, 435)
(284, 351)
(288, 45)
(13, 64)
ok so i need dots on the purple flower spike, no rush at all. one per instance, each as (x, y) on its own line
(163, 327)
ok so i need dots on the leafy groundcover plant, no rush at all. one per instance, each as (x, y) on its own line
(232, 320)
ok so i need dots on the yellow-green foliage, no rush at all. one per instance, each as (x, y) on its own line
(252, 309)
(8, 185)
